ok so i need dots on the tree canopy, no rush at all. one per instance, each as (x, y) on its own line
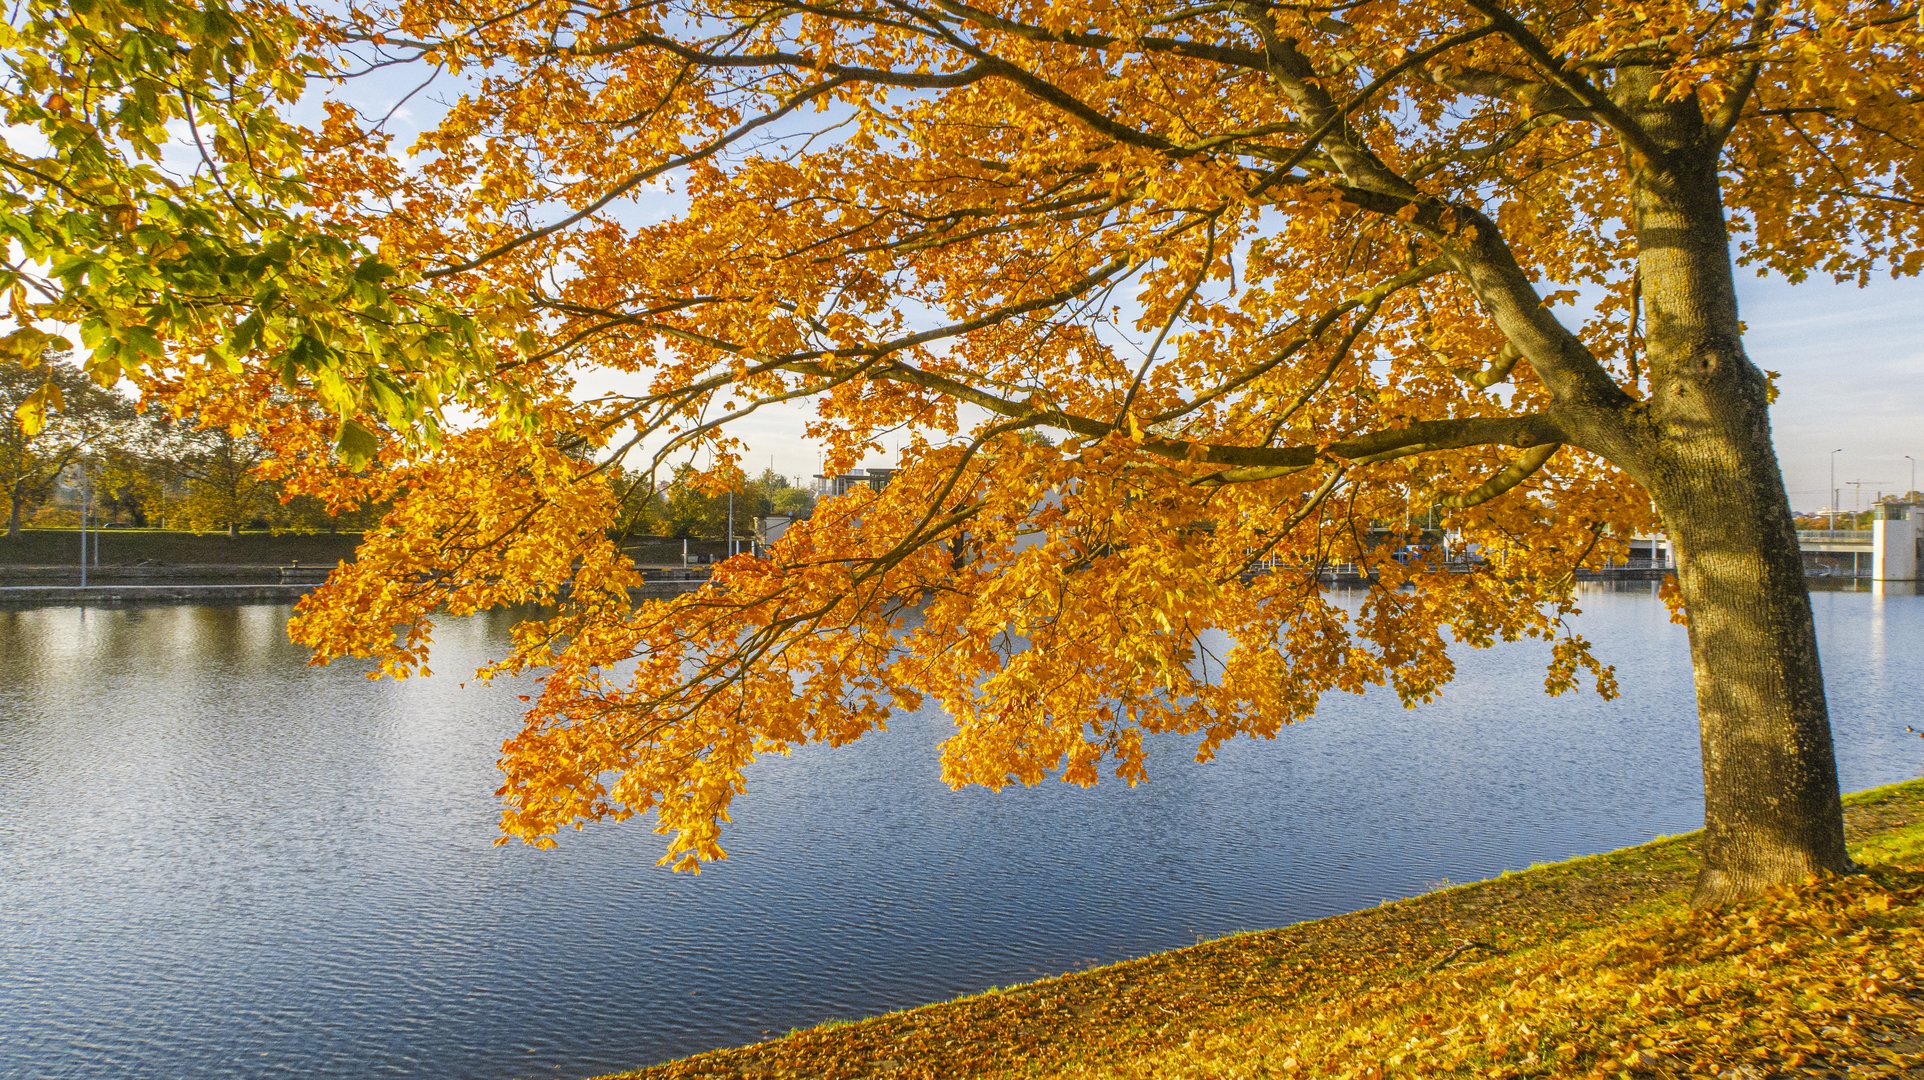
(1268, 274)
(688, 506)
(66, 418)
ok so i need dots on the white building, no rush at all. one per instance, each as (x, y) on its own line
(1897, 533)
(827, 487)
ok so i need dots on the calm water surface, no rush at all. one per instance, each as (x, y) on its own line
(215, 861)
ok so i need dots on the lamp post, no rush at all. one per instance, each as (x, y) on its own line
(1831, 525)
(81, 480)
(1913, 489)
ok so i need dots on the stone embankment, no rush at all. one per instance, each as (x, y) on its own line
(37, 586)
(116, 594)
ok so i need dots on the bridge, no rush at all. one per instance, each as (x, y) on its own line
(1837, 552)
(1835, 539)
(1890, 550)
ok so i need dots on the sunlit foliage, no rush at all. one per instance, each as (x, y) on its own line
(1281, 283)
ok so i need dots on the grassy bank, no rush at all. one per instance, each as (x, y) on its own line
(1593, 967)
(163, 547)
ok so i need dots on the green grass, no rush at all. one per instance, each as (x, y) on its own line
(1590, 967)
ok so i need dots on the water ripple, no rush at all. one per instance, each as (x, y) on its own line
(217, 862)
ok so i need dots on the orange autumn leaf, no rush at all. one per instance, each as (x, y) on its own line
(1175, 306)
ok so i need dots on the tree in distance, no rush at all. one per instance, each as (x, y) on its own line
(1268, 276)
(62, 419)
(686, 506)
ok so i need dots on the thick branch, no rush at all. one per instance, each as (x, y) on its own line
(1594, 99)
(1724, 120)
(1506, 478)
(1423, 436)
(1541, 98)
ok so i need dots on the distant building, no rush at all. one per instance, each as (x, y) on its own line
(1651, 550)
(827, 487)
(1897, 540)
(770, 529)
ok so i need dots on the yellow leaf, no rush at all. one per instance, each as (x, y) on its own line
(32, 412)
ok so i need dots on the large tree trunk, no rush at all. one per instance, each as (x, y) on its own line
(14, 501)
(1772, 813)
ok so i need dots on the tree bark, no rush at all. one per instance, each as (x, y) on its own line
(1772, 812)
(14, 501)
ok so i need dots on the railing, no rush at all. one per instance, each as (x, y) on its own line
(1834, 536)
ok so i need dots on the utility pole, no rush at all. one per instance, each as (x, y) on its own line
(85, 498)
(1832, 524)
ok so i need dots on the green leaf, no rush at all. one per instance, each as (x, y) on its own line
(142, 341)
(247, 334)
(29, 345)
(373, 271)
(356, 445)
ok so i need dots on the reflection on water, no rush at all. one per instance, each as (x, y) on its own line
(216, 861)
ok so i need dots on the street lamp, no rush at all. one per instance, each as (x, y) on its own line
(1913, 490)
(1832, 525)
(86, 496)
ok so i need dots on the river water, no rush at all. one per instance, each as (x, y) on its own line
(215, 861)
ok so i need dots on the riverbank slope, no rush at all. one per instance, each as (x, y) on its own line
(1592, 967)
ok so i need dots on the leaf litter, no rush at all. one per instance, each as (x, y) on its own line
(1594, 967)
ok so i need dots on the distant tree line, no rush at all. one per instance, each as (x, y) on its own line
(1859, 519)
(134, 468)
(147, 469)
(682, 507)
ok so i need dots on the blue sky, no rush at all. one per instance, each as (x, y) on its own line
(1851, 361)
(1851, 364)
(1851, 376)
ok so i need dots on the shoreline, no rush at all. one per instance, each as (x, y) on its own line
(1589, 966)
(118, 594)
(121, 594)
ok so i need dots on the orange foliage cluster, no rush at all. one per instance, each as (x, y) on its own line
(1278, 282)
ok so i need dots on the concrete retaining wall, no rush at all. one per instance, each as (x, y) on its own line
(222, 593)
